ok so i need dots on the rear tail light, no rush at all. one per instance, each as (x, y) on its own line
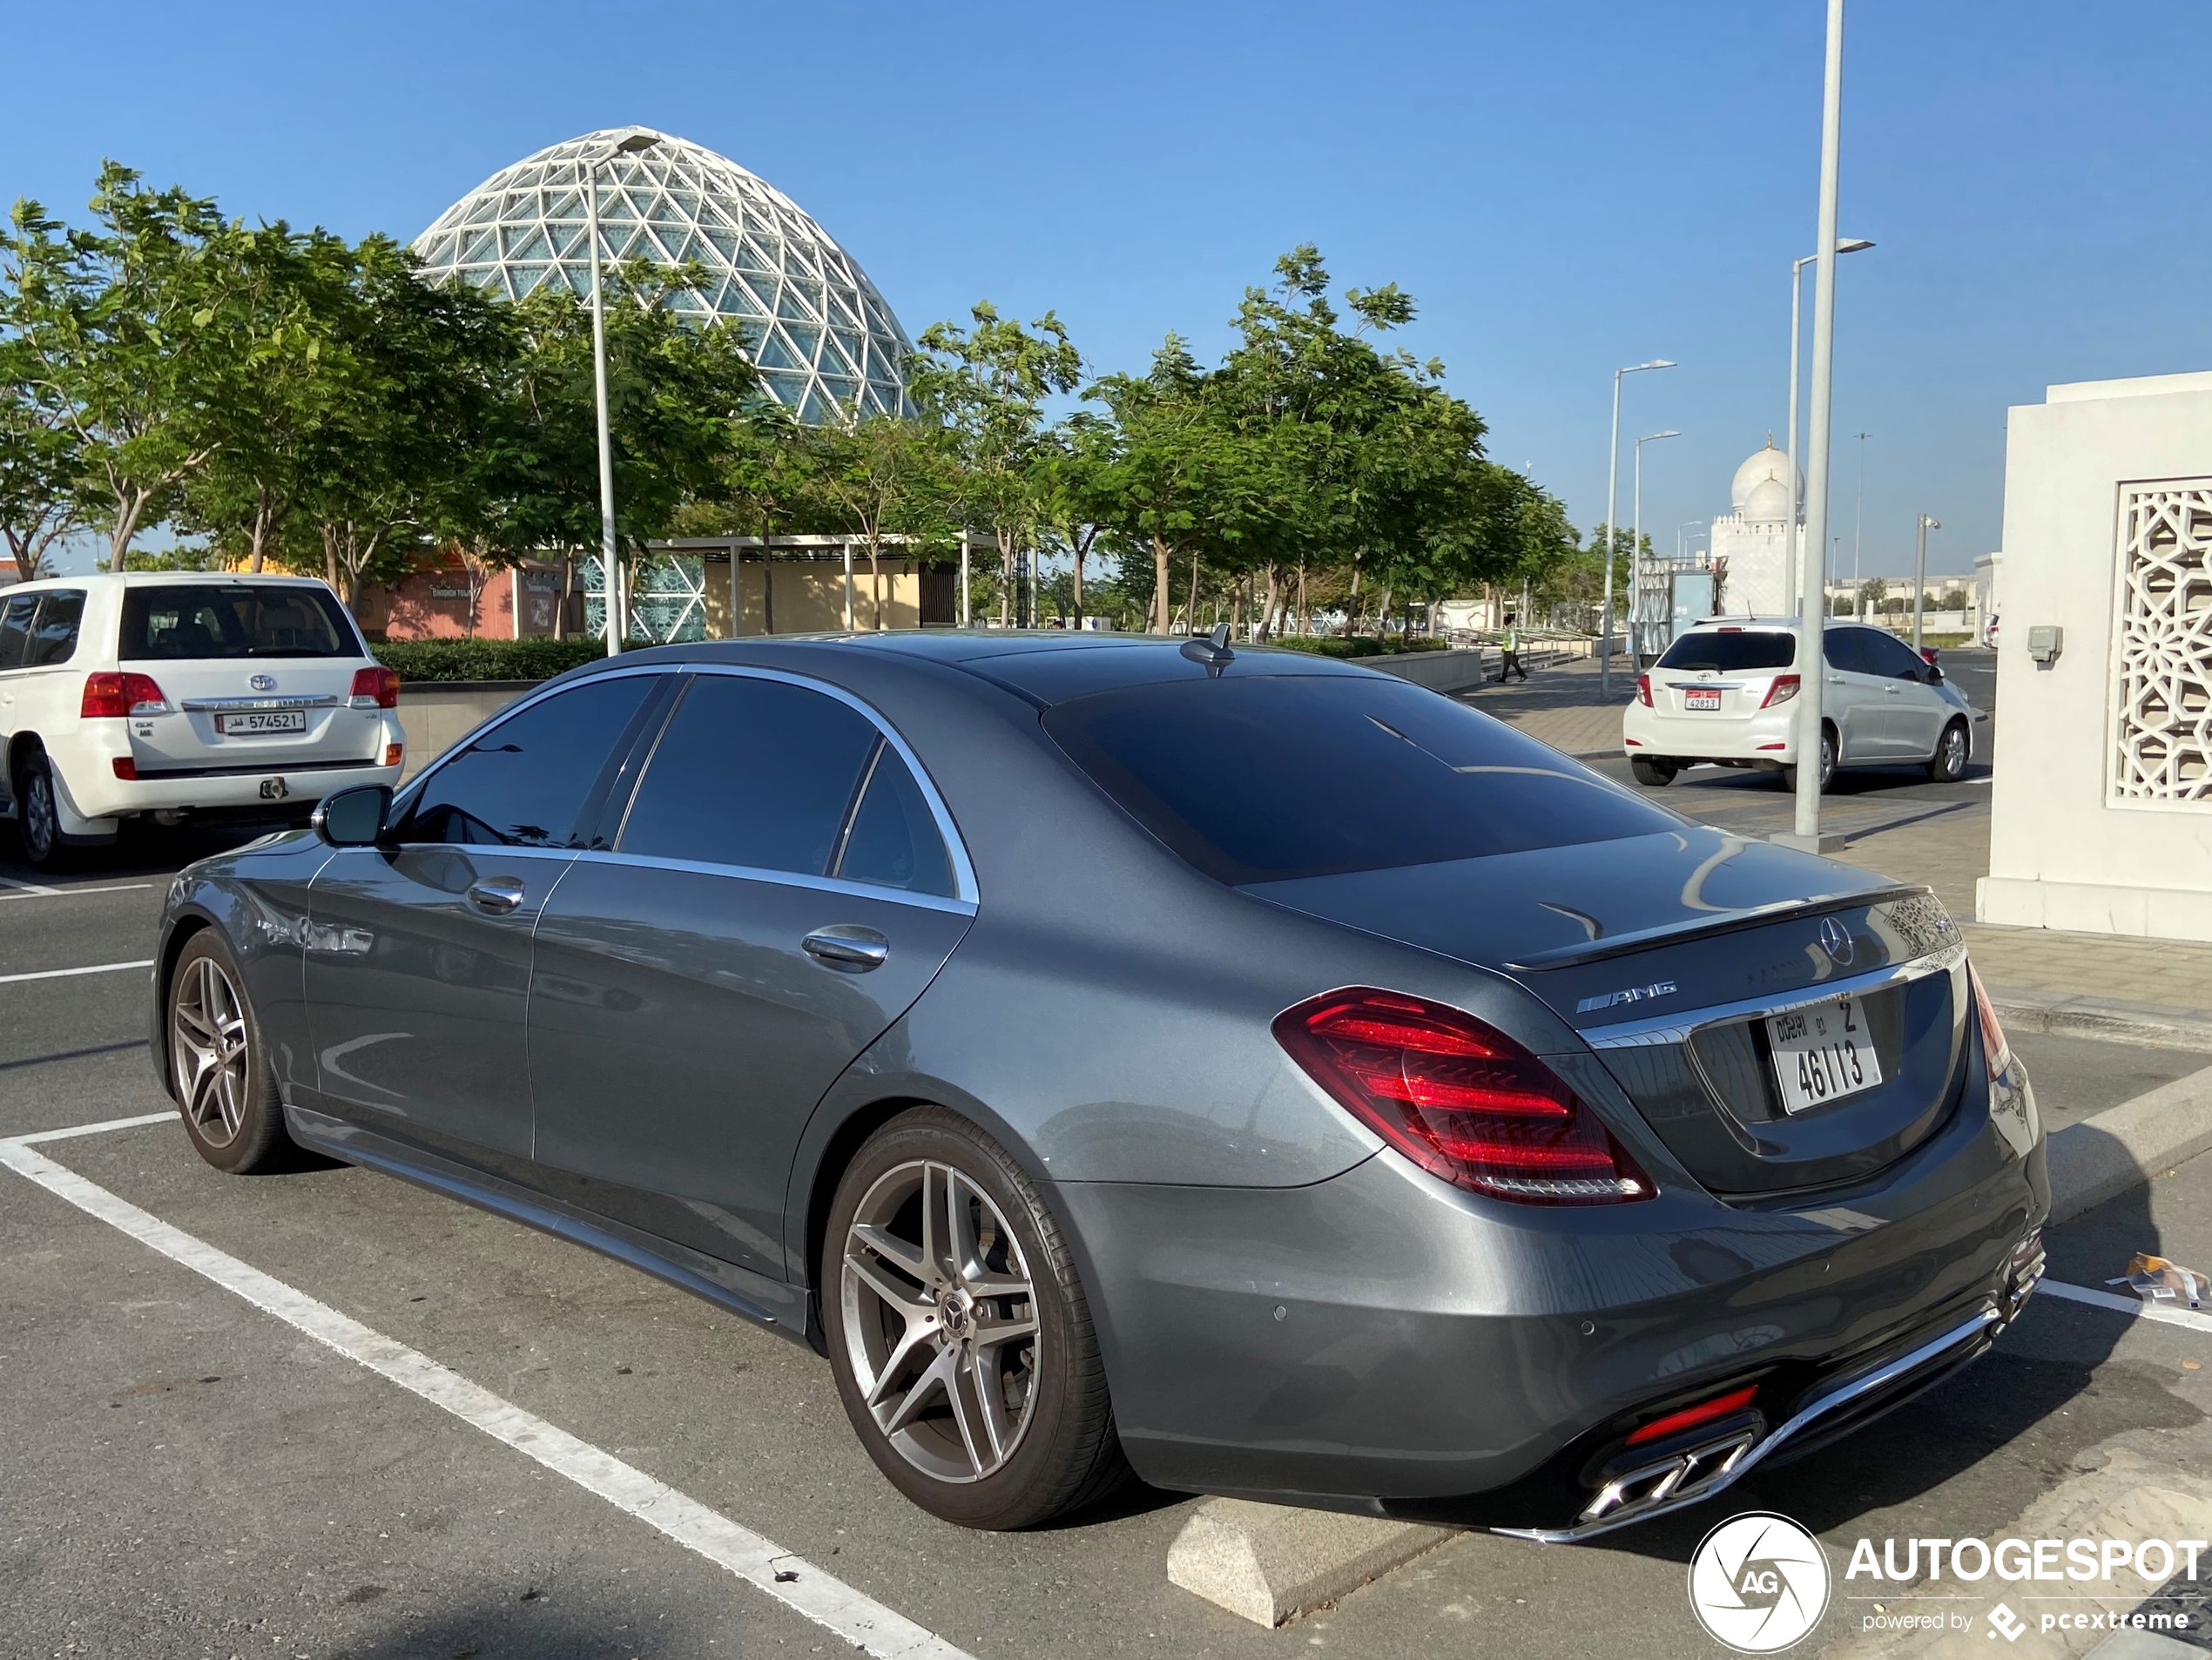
(1643, 690)
(1460, 1098)
(375, 688)
(392, 753)
(1996, 1052)
(1783, 689)
(111, 695)
(1703, 1413)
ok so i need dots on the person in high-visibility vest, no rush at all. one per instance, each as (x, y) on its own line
(1509, 643)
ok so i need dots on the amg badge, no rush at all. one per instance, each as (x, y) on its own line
(1632, 994)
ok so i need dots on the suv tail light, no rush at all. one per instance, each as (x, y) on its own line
(1643, 690)
(1783, 689)
(1460, 1098)
(1996, 1052)
(111, 695)
(375, 688)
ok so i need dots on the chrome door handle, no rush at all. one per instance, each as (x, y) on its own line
(496, 895)
(1895, 691)
(846, 947)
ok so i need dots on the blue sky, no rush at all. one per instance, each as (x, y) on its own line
(1564, 188)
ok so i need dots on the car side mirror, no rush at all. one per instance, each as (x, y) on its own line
(354, 817)
(1935, 674)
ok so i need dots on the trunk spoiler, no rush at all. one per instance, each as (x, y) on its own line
(1705, 928)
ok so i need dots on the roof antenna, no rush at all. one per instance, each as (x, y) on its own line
(1212, 650)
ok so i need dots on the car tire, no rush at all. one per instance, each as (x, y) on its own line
(1948, 763)
(1827, 763)
(219, 1067)
(986, 1408)
(1654, 770)
(39, 818)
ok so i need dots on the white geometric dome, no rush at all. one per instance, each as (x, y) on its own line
(1768, 466)
(822, 336)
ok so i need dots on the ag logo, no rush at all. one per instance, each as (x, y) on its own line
(1758, 1584)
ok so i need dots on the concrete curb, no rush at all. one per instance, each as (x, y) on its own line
(1270, 1562)
(2124, 1146)
(2065, 1013)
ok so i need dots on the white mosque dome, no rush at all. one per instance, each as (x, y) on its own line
(1749, 493)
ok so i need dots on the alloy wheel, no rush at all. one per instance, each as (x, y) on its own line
(208, 1050)
(1953, 754)
(941, 1321)
(40, 824)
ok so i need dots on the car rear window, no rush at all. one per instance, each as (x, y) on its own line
(1264, 780)
(1732, 650)
(233, 619)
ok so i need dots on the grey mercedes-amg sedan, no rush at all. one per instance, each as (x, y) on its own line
(1233, 1067)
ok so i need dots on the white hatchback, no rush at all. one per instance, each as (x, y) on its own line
(178, 693)
(1726, 691)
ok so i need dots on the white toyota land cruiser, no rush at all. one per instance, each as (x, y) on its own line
(178, 693)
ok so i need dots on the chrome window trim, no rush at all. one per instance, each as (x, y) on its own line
(781, 878)
(1677, 1027)
(964, 902)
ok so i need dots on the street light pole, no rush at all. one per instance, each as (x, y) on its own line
(1612, 486)
(1637, 625)
(611, 565)
(1920, 573)
(1859, 523)
(1812, 623)
(1848, 244)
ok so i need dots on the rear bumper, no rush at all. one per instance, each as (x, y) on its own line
(1381, 1343)
(1767, 735)
(281, 792)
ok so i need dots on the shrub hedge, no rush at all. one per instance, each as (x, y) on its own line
(539, 658)
(1358, 645)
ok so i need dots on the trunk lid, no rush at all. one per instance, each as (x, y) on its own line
(1672, 953)
(238, 713)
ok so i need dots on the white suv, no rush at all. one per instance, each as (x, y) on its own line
(183, 692)
(1726, 691)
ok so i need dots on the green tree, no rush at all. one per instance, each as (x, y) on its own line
(884, 475)
(988, 385)
(43, 476)
(117, 338)
(1167, 460)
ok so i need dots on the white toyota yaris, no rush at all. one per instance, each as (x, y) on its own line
(181, 693)
(1726, 691)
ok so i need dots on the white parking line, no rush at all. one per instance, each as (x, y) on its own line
(858, 1620)
(63, 973)
(2141, 1310)
(32, 890)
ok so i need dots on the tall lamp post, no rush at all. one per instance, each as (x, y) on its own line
(1920, 573)
(1813, 590)
(1859, 520)
(617, 607)
(1845, 245)
(1612, 485)
(1638, 624)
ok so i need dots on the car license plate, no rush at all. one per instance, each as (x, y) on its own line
(1823, 1053)
(1700, 698)
(254, 722)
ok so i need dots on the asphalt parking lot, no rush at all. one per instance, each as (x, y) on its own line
(187, 1473)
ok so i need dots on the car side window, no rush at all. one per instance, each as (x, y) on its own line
(526, 781)
(1894, 660)
(893, 841)
(53, 637)
(754, 773)
(15, 630)
(1846, 650)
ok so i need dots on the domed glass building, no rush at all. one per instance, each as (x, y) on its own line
(825, 342)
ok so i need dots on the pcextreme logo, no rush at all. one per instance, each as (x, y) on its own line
(1759, 1582)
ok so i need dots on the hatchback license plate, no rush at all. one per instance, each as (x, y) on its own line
(254, 722)
(1701, 698)
(1823, 1053)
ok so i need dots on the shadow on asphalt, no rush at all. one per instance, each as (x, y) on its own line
(535, 1623)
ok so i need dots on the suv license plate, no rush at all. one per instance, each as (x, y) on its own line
(1823, 1053)
(252, 722)
(1701, 698)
